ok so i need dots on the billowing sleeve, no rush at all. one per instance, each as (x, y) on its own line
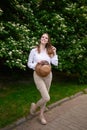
(54, 60)
(31, 63)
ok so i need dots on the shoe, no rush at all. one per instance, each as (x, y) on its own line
(32, 108)
(43, 120)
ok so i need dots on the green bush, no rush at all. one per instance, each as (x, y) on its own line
(22, 23)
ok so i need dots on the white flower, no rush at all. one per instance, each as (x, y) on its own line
(10, 53)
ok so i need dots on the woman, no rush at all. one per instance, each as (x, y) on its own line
(44, 51)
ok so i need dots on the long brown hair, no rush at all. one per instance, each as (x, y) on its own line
(48, 46)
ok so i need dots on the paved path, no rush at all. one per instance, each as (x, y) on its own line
(71, 115)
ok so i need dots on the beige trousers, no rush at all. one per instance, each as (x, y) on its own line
(43, 85)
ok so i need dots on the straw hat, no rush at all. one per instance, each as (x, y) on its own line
(43, 68)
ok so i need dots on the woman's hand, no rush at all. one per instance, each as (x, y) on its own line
(43, 62)
(54, 49)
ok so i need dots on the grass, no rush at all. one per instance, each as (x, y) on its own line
(17, 91)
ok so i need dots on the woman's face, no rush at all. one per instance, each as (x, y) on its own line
(44, 39)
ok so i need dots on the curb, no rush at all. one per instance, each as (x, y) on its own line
(64, 100)
(24, 119)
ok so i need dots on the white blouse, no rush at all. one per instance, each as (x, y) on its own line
(35, 57)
